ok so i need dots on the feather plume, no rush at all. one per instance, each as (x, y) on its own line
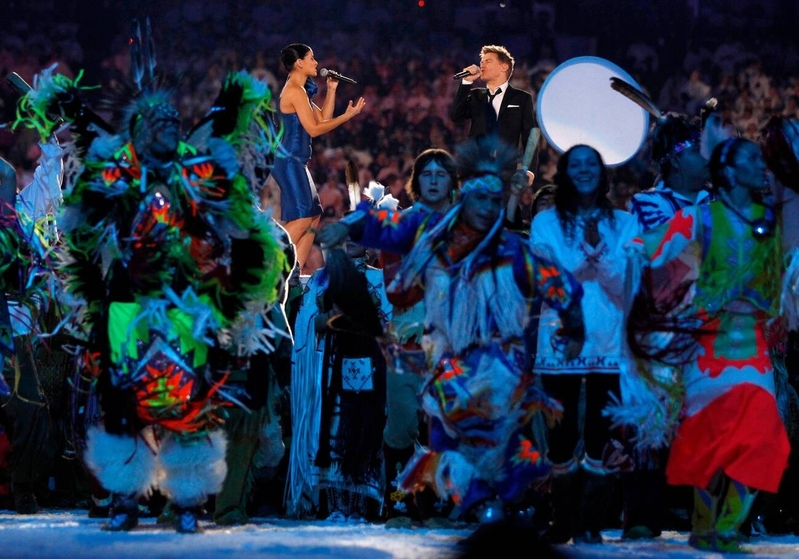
(241, 101)
(55, 99)
(380, 197)
(136, 61)
(200, 135)
(375, 191)
(148, 51)
(636, 96)
(388, 202)
(486, 155)
(351, 173)
(353, 184)
(142, 56)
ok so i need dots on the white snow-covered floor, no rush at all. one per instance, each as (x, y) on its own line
(71, 534)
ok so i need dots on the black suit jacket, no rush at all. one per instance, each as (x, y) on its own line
(516, 115)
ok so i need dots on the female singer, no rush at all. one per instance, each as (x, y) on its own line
(302, 119)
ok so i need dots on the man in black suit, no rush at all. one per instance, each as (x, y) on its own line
(497, 108)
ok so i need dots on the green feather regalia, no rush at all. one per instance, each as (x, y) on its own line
(183, 248)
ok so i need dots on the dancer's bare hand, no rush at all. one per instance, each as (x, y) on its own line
(518, 182)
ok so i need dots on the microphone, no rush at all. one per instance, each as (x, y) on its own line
(325, 73)
(462, 74)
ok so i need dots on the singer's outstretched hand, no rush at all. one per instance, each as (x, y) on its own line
(355, 109)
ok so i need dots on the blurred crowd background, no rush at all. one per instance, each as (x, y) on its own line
(403, 54)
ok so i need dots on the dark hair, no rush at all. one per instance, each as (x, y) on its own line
(566, 196)
(724, 156)
(778, 152)
(674, 130)
(292, 53)
(440, 156)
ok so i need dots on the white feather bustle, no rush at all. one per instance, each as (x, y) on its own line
(122, 464)
(190, 471)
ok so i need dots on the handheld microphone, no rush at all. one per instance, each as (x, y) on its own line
(462, 74)
(325, 73)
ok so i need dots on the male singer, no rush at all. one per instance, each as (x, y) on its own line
(498, 107)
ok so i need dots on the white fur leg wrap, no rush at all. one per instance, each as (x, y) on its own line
(192, 471)
(122, 464)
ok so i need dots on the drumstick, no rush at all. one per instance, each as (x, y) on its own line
(636, 96)
(527, 158)
(531, 148)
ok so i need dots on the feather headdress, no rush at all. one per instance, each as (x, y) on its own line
(485, 155)
(485, 162)
(154, 103)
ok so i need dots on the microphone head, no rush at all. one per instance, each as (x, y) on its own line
(325, 73)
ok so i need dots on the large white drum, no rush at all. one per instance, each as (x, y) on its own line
(576, 105)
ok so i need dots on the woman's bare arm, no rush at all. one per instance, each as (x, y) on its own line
(294, 99)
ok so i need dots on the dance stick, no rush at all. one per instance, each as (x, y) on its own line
(529, 154)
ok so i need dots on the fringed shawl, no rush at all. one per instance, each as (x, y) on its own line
(306, 406)
(469, 302)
